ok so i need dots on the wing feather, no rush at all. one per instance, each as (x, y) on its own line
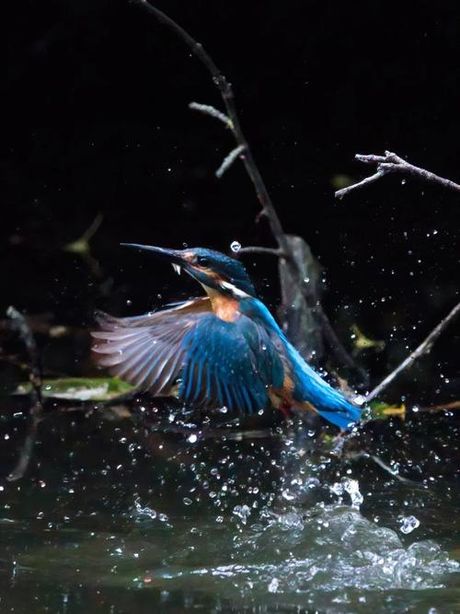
(217, 362)
(225, 363)
(147, 350)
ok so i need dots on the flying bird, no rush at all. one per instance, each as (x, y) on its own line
(221, 349)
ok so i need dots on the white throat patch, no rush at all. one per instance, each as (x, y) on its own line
(233, 289)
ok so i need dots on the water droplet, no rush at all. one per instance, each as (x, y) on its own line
(408, 524)
(286, 494)
(352, 488)
(235, 246)
(192, 438)
(144, 511)
(243, 512)
(336, 489)
(273, 586)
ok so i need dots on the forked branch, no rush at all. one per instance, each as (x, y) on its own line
(392, 163)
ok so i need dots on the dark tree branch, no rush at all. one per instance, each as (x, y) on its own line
(231, 119)
(20, 324)
(226, 91)
(392, 163)
(255, 249)
(421, 350)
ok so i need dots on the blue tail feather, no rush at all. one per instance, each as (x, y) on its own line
(329, 402)
(309, 386)
(342, 420)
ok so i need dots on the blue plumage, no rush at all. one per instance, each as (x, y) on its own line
(223, 349)
(227, 362)
(308, 385)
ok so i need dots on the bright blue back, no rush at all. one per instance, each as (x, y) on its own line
(308, 385)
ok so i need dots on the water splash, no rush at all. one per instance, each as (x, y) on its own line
(351, 487)
(408, 524)
(243, 512)
(329, 548)
(143, 513)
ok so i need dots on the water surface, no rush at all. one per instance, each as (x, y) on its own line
(122, 515)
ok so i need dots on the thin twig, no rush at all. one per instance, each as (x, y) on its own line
(380, 463)
(212, 112)
(229, 160)
(366, 181)
(226, 91)
(268, 208)
(36, 410)
(94, 227)
(256, 249)
(421, 350)
(392, 163)
(441, 407)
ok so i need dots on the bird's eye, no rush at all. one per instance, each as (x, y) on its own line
(202, 260)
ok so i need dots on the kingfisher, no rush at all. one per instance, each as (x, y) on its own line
(222, 349)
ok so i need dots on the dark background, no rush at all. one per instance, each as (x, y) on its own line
(95, 119)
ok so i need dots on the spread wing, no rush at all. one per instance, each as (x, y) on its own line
(217, 362)
(147, 350)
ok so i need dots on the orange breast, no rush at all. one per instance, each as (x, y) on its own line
(225, 307)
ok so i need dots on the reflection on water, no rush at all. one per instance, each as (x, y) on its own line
(120, 517)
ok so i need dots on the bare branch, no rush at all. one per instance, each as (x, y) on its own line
(421, 350)
(211, 111)
(341, 193)
(392, 163)
(20, 324)
(229, 160)
(94, 227)
(226, 91)
(378, 461)
(255, 249)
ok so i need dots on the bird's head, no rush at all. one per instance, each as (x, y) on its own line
(212, 269)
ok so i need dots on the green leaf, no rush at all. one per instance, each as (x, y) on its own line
(383, 411)
(361, 342)
(80, 388)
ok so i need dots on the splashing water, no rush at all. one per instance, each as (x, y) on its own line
(351, 487)
(243, 512)
(408, 524)
(329, 548)
(232, 524)
(147, 513)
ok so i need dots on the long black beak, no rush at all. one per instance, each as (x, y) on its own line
(174, 256)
